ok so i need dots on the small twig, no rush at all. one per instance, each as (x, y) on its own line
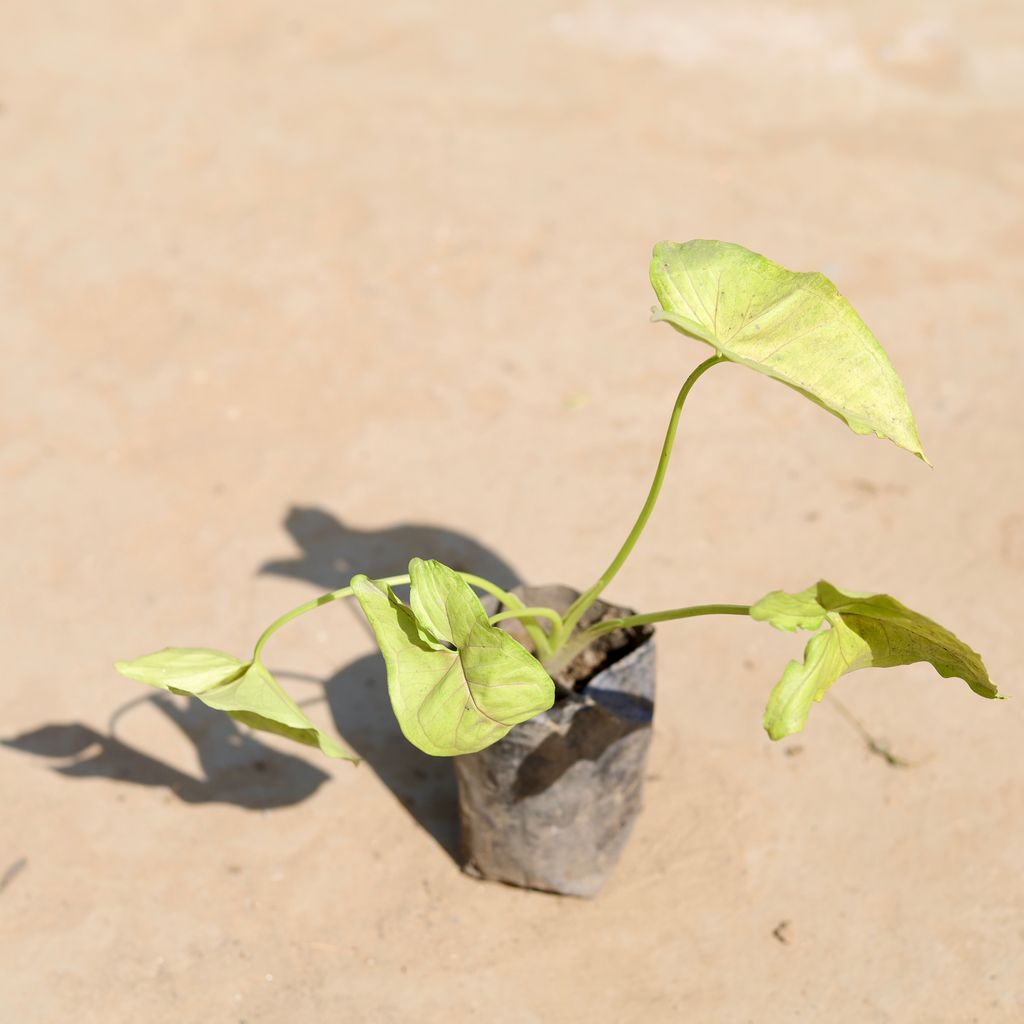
(12, 872)
(874, 745)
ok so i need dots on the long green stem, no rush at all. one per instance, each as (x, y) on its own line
(585, 637)
(538, 637)
(309, 606)
(547, 645)
(542, 642)
(486, 585)
(610, 625)
(528, 613)
(536, 634)
(589, 596)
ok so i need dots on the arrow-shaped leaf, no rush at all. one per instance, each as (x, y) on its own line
(457, 684)
(865, 630)
(795, 327)
(246, 691)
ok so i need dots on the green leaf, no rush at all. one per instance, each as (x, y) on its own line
(457, 684)
(198, 667)
(247, 692)
(827, 656)
(789, 611)
(795, 327)
(865, 630)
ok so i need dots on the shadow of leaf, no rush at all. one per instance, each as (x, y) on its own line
(358, 699)
(332, 552)
(237, 768)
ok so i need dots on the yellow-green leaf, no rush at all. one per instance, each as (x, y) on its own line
(246, 691)
(865, 630)
(197, 667)
(795, 327)
(828, 656)
(789, 612)
(457, 684)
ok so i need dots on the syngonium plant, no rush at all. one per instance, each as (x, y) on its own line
(459, 683)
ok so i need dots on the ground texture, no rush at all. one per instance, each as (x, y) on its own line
(292, 291)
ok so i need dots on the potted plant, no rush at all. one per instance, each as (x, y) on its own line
(544, 695)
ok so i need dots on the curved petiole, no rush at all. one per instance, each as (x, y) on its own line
(536, 634)
(587, 636)
(589, 596)
(524, 614)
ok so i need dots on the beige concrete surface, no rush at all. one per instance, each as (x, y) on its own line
(325, 285)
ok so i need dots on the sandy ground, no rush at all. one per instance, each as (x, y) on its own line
(294, 290)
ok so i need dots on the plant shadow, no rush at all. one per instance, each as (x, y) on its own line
(331, 552)
(357, 696)
(236, 767)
